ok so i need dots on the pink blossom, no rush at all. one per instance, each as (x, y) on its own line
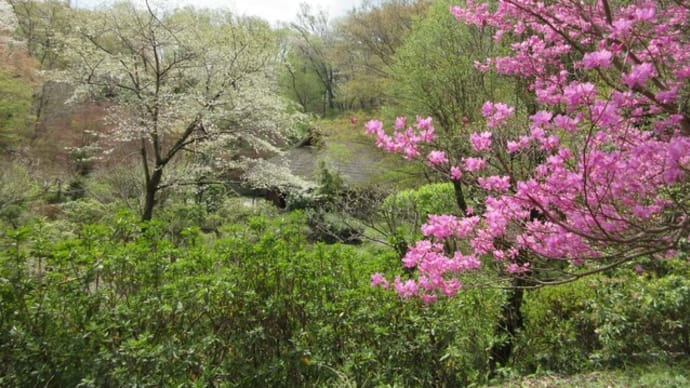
(466, 262)
(423, 123)
(378, 280)
(373, 127)
(522, 144)
(541, 118)
(421, 251)
(645, 14)
(537, 133)
(405, 289)
(622, 28)
(591, 171)
(488, 109)
(517, 268)
(600, 59)
(481, 141)
(474, 164)
(496, 114)
(436, 158)
(466, 226)
(667, 96)
(400, 123)
(455, 173)
(577, 93)
(440, 226)
(565, 122)
(494, 183)
(451, 287)
(638, 75)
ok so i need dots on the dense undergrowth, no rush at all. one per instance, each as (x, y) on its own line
(121, 303)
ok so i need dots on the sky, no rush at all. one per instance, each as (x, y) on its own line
(274, 11)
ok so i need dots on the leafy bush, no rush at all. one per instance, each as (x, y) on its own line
(645, 316)
(404, 212)
(122, 303)
(620, 318)
(16, 191)
(435, 198)
(559, 332)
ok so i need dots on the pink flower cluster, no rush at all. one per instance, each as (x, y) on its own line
(481, 141)
(404, 140)
(496, 114)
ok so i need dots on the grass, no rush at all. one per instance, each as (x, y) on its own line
(657, 375)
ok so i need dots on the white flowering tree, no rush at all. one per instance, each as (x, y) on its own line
(183, 80)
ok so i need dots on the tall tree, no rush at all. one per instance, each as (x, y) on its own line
(314, 37)
(182, 81)
(299, 80)
(41, 23)
(368, 39)
(434, 70)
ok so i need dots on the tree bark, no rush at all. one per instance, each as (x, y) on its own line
(460, 196)
(511, 322)
(152, 186)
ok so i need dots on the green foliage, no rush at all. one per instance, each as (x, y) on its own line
(673, 375)
(559, 332)
(619, 319)
(645, 316)
(435, 198)
(86, 211)
(330, 182)
(16, 191)
(435, 74)
(370, 36)
(405, 211)
(16, 116)
(41, 23)
(300, 82)
(122, 303)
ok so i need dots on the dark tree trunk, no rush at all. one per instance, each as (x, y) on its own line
(511, 322)
(152, 185)
(460, 196)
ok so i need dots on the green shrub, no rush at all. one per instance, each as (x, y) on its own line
(123, 304)
(16, 191)
(559, 330)
(435, 198)
(403, 213)
(612, 319)
(86, 211)
(646, 316)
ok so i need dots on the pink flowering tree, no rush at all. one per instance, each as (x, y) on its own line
(596, 176)
(611, 133)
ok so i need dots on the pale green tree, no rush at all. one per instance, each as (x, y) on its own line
(301, 79)
(435, 72)
(40, 24)
(311, 49)
(435, 75)
(369, 38)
